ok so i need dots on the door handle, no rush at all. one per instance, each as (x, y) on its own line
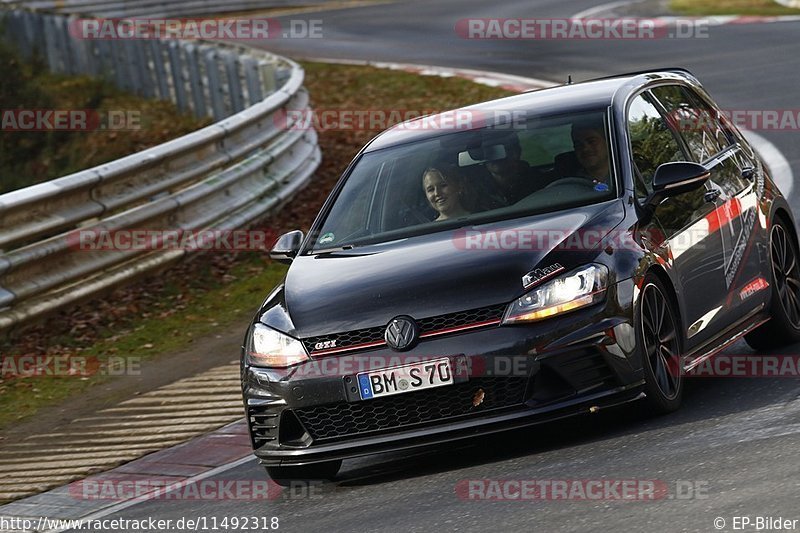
(712, 195)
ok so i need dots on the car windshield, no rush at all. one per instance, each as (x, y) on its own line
(544, 164)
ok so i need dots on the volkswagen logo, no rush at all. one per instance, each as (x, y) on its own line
(401, 333)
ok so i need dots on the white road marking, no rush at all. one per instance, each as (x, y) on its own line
(711, 20)
(161, 491)
(778, 165)
(592, 11)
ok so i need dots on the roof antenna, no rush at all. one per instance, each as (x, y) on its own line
(569, 79)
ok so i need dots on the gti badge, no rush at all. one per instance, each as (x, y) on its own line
(538, 275)
(325, 345)
(401, 333)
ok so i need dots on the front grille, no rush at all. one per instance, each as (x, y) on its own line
(403, 410)
(464, 318)
(263, 425)
(428, 326)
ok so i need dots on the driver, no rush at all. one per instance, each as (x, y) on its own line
(591, 151)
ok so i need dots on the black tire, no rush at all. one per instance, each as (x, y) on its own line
(661, 344)
(284, 475)
(784, 309)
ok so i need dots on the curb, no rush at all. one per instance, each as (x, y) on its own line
(609, 10)
(509, 82)
(172, 468)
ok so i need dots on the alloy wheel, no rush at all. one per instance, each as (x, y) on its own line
(786, 274)
(661, 341)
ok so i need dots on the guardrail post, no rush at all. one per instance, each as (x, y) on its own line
(179, 81)
(215, 91)
(195, 80)
(268, 76)
(51, 44)
(34, 36)
(81, 50)
(10, 25)
(251, 74)
(140, 74)
(157, 53)
(119, 59)
(108, 58)
(231, 61)
(65, 46)
(91, 54)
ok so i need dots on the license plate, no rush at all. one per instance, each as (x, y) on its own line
(405, 378)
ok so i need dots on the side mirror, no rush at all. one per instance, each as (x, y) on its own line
(676, 178)
(287, 246)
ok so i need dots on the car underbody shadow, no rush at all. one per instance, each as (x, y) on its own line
(705, 398)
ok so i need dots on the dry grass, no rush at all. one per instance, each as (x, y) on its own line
(731, 7)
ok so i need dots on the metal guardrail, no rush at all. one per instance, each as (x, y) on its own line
(224, 176)
(207, 78)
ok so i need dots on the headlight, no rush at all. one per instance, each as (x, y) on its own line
(271, 348)
(577, 289)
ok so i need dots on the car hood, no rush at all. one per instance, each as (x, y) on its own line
(436, 274)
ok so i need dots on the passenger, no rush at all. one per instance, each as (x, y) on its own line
(513, 177)
(445, 191)
(591, 151)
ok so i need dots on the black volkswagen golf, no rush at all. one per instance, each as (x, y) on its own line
(515, 262)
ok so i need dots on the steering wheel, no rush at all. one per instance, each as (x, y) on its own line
(586, 182)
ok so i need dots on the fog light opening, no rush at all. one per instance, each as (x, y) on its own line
(291, 431)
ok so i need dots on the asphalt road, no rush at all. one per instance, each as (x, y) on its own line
(744, 66)
(731, 451)
(735, 441)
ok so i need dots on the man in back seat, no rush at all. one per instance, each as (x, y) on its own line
(512, 176)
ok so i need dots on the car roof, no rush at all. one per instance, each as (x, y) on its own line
(588, 95)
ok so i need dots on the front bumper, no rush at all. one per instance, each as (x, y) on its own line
(519, 375)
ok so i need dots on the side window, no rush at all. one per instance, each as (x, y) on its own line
(652, 142)
(694, 120)
(706, 134)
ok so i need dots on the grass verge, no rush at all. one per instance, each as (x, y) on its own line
(28, 157)
(731, 7)
(130, 343)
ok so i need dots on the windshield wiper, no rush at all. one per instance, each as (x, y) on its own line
(332, 250)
